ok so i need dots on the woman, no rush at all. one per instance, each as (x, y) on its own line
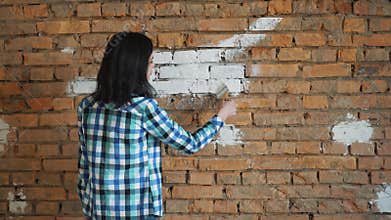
(120, 126)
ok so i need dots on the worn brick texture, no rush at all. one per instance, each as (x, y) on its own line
(311, 139)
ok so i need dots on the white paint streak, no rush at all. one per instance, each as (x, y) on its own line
(4, 130)
(68, 50)
(265, 24)
(16, 203)
(351, 130)
(229, 135)
(383, 201)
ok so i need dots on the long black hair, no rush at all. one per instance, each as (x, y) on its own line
(123, 71)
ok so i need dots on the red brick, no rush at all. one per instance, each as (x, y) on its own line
(263, 53)
(10, 89)
(348, 86)
(315, 102)
(326, 70)
(376, 54)
(307, 147)
(224, 164)
(228, 9)
(12, 12)
(89, 10)
(273, 70)
(274, 118)
(202, 206)
(20, 164)
(174, 177)
(45, 89)
(278, 177)
(173, 163)
(362, 149)
(40, 103)
(21, 28)
(281, 206)
(47, 208)
(114, 9)
(372, 40)
(171, 40)
(225, 206)
(195, 191)
(355, 177)
(245, 103)
(174, 206)
(64, 27)
(316, 162)
(224, 178)
(62, 103)
(354, 25)
(379, 177)
(330, 176)
(373, 163)
(277, 7)
(222, 24)
(42, 193)
(58, 119)
(310, 39)
(115, 25)
(60, 165)
(11, 58)
(201, 178)
(142, 8)
(364, 7)
(47, 58)
(48, 150)
(23, 178)
(43, 135)
(36, 11)
(379, 24)
(196, 40)
(169, 8)
(347, 55)
(292, 54)
(305, 177)
(250, 192)
(322, 55)
(27, 43)
(21, 120)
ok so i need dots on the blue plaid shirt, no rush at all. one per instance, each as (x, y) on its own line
(120, 174)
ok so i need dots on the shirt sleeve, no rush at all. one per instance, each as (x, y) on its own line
(159, 124)
(83, 175)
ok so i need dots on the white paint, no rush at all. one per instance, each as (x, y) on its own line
(229, 135)
(184, 71)
(185, 56)
(16, 203)
(265, 24)
(162, 57)
(351, 130)
(210, 55)
(4, 130)
(227, 71)
(68, 50)
(81, 85)
(383, 201)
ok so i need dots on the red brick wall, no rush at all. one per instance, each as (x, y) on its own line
(323, 70)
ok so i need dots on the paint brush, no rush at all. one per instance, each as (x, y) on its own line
(222, 91)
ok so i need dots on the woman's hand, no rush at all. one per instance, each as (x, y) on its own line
(228, 109)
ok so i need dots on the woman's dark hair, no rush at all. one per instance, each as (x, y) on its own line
(122, 74)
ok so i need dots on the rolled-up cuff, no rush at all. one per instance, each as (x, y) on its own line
(217, 121)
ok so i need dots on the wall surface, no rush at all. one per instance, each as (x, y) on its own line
(311, 139)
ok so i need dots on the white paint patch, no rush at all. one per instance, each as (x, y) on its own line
(383, 201)
(4, 130)
(68, 50)
(265, 24)
(351, 130)
(229, 135)
(16, 203)
(81, 85)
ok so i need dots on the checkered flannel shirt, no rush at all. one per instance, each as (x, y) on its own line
(120, 174)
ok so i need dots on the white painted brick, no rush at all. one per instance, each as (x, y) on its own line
(185, 56)
(227, 71)
(210, 85)
(173, 86)
(162, 57)
(209, 55)
(265, 24)
(83, 86)
(201, 86)
(184, 71)
(234, 53)
(248, 40)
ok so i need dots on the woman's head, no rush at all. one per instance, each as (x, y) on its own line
(125, 69)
